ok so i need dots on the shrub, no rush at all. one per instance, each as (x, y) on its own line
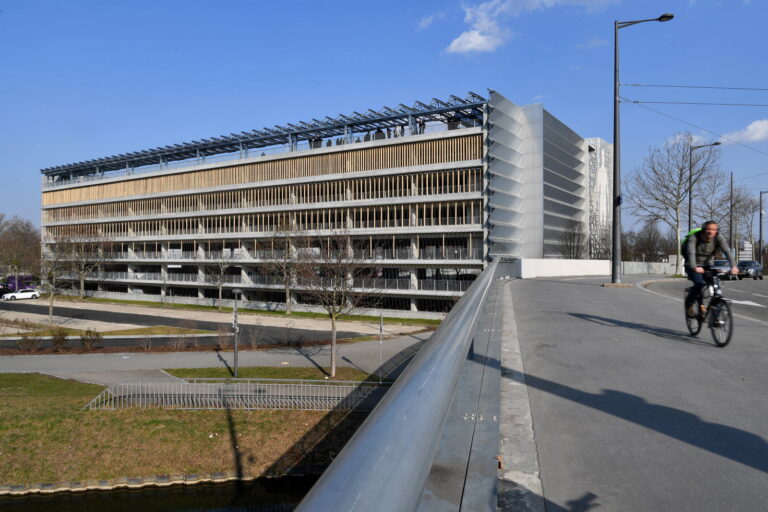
(90, 339)
(145, 343)
(177, 343)
(225, 336)
(59, 339)
(253, 335)
(29, 342)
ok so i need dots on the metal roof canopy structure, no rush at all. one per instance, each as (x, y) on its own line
(453, 110)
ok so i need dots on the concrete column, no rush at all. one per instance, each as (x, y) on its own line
(164, 250)
(413, 305)
(414, 248)
(414, 279)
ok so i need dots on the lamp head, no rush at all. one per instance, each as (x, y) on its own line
(665, 17)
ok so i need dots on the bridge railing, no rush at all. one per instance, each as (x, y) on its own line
(386, 463)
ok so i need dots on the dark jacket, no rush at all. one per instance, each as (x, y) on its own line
(702, 254)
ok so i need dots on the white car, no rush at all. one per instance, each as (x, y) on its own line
(26, 293)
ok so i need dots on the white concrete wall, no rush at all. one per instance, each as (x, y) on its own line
(630, 268)
(528, 268)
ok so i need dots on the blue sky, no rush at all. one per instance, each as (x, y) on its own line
(84, 79)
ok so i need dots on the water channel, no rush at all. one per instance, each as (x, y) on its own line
(267, 495)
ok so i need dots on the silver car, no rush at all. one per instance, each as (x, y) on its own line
(723, 267)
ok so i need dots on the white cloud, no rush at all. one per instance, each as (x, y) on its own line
(485, 32)
(755, 132)
(426, 21)
(593, 43)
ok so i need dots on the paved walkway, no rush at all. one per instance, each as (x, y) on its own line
(629, 412)
(112, 368)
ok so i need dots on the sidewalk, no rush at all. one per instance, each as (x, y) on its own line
(629, 412)
(112, 368)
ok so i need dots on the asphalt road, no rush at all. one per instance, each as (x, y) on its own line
(265, 333)
(630, 413)
(749, 296)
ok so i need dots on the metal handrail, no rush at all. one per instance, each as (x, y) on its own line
(386, 463)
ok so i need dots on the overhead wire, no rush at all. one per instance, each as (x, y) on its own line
(721, 136)
(698, 87)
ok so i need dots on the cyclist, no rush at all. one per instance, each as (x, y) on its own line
(699, 252)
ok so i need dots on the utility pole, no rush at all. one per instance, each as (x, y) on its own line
(730, 222)
(760, 245)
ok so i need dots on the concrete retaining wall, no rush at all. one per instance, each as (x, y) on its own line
(528, 268)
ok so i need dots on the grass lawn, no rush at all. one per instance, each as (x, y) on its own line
(268, 372)
(45, 436)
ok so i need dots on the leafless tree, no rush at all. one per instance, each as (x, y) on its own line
(52, 268)
(19, 246)
(216, 269)
(83, 255)
(658, 191)
(573, 241)
(649, 242)
(282, 263)
(332, 275)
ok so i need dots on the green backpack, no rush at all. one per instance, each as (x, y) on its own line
(685, 240)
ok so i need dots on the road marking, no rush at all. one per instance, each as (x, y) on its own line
(747, 303)
(757, 294)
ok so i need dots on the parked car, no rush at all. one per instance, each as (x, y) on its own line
(26, 293)
(750, 268)
(723, 267)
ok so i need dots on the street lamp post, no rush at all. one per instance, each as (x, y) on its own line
(616, 246)
(760, 249)
(235, 328)
(690, 181)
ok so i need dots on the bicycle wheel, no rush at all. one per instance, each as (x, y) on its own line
(721, 322)
(693, 323)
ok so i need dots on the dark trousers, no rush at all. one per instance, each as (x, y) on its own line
(698, 284)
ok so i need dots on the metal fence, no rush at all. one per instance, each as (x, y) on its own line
(306, 395)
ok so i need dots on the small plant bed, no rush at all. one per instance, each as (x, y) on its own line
(268, 372)
(295, 314)
(46, 436)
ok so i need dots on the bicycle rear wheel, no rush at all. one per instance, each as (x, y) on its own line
(720, 322)
(693, 323)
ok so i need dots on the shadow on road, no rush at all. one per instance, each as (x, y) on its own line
(660, 332)
(729, 442)
(513, 497)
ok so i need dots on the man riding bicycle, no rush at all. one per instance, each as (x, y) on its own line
(699, 252)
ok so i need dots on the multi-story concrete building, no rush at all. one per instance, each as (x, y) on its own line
(425, 194)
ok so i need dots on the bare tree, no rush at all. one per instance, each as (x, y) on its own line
(216, 270)
(83, 255)
(333, 276)
(574, 241)
(649, 242)
(282, 263)
(658, 191)
(52, 268)
(19, 246)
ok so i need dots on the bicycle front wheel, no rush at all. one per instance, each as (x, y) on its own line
(693, 322)
(721, 322)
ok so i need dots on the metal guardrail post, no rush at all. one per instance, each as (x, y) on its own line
(386, 463)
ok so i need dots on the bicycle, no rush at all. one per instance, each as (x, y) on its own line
(717, 312)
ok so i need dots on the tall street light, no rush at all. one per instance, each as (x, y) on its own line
(690, 180)
(616, 250)
(760, 249)
(235, 329)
